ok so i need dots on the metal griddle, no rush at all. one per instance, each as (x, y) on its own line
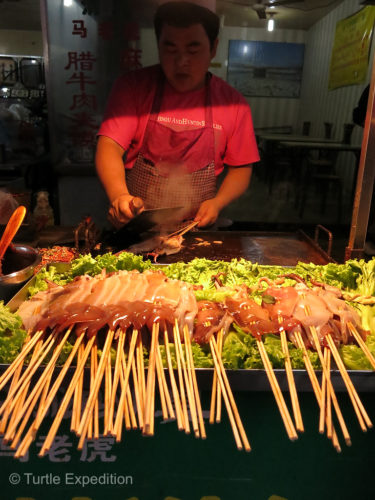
(268, 248)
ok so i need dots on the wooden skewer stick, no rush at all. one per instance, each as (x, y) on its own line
(316, 387)
(116, 376)
(291, 383)
(169, 407)
(137, 394)
(45, 376)
(94, 391)
(216, 392)
(362, 344)
(141, 373)
(117, 427)
(359, 409)
(189, 355)
(129, 399)
(327, 359)
(181, 385)
(96, 404)
(150, 387)
(325, 395)
(162, 392)
(107, 390)
(284, 412)
(15, 378)
(188, 386)
(176, 397)
(183, 230)
(330, 387)
(25, 378)
(20, 359)
(51, 395)
(234, 417)
(77, 400)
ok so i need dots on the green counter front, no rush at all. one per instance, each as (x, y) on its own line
(174, 465)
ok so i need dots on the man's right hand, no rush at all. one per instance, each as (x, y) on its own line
(123, 209)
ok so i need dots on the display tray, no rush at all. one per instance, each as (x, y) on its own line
(252, 380)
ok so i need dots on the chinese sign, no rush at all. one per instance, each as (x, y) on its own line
(350, 53)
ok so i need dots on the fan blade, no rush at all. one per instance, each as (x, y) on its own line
(280, 3)
(261, 13)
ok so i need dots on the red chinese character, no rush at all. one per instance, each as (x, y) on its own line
(79, 28)
(130, 59)
(105, 30)
(131, 31)
(83, 119)
(83, 100)
(81, 79)
(84, 61)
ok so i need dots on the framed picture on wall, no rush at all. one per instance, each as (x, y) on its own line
(265, 69)
(8, 71)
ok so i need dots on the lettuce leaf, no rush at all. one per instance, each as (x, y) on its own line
(12, 335)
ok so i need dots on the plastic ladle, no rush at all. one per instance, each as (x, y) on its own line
(11, 229)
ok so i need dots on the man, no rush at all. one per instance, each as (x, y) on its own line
(177, 126)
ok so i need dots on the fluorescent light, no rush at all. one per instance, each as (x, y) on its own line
(245, 49)
(68, 3)
(270, 24)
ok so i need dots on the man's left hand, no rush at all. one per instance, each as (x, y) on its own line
(208, 213)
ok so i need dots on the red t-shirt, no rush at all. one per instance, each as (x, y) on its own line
(129, 106)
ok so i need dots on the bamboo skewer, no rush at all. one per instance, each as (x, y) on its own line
(316, 387)
(187, 380)
(234, 417)
(190, 359)
(325, 394)
(327, 359)
(167, 397)
(138, 399)
(150, 386)
(77, 400)
(280, 401)
(116, 376)
(124, 379)
(38, 387)
(162, 391)
(141, 373)
(359, 409)
(362, 344)
(25, 378)
(107, 390)
(330, 387)
(176, 397)
(181, 385)
(82, 430)
(291, 383)
(94, 361)
(22, 449)
(20, 359)
(216, 392)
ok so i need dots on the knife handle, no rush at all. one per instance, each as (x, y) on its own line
(135, 205)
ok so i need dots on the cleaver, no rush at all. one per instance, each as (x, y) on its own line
(153, 217)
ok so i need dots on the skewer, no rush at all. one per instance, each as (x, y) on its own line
(291, 383)
(181, 385)
(38, 387)
(362, 344)
(116, 377)
(77, 400)
(183, 230)
(138, 400)
(96, 404)
(30, 370)
(327, 359)
(188, 385)
(325, 392)
(190, 360)
(316, 387)
(141, 373)
(22, 450)
(124, 379)
(150, 387)
(330, 387)
(161, 378)
(176, 397)
(20, 358)
(220, 337)
(234, 417)
(359, 409)
(284, 412)
(83, 426)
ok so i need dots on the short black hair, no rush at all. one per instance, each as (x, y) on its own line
(185, 14)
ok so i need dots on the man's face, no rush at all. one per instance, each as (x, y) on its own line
(185, 55)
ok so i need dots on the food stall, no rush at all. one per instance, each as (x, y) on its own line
(259, 445)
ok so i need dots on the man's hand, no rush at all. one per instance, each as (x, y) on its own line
(123, 209)
(208, 212)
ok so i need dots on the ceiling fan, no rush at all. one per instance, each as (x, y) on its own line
(260, 7)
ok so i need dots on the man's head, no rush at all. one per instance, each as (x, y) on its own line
(187, 40)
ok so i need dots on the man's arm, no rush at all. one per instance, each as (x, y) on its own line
(111, 172)
(233, 186)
